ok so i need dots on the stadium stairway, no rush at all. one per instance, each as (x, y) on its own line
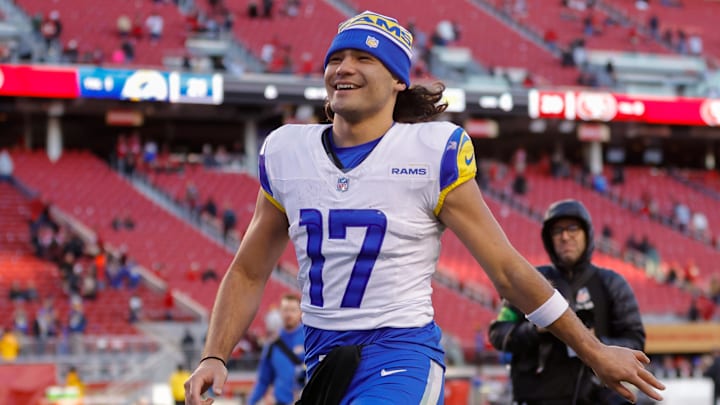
(706, 182)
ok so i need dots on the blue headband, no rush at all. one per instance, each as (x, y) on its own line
(379, 36)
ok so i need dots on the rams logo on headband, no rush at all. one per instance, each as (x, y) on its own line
(372, 42)
(386, 25)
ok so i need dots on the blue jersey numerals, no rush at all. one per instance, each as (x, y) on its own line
(338, 222)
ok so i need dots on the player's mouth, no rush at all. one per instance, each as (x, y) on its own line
(345, 86)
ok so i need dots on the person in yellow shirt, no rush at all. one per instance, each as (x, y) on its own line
(177, 381)
(72, 379)
(9, 346)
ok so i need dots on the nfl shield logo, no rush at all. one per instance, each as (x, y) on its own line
(371, 41)
(342, 184)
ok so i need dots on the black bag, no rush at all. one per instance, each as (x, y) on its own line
(332, 377)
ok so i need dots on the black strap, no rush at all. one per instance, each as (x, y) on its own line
(285, 349)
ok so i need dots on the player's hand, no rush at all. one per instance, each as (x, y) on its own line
(210, 373)
(617, 366)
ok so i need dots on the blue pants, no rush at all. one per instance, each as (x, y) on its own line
(395, 377)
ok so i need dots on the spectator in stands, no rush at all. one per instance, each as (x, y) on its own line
(699, 225)
(648, 204)
(714, 289)
(192, 197)
(124, 26)
(681, 215)
(519, 184)
(607, 231)
(21, 320)
(695, 44)
(292, 8)
(187, 344)
(543, 369)
(209, 209)
(618, 176)
(6, 166)
(155, 25)
(9, 345)
(135, 306)
(177, 384)
(713, 372)
(89, 284)
(76, 325)
(71, 53)
(128, 48)
(46, 325)
(579, 53)
(73, 379)
(559, 167)
(673, 274)
(209, 274)
(267, 8)
(551, 39)
(654, 26)
(281, 363)
(307, 65)
(371, 104)
(681, 42)
(16, 292)
(123, 221)
(691, 273)
(51, 29)
(229, 220)
(252, 9)
(600, 183)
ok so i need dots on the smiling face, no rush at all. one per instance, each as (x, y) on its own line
(569, 240)
(359, 86)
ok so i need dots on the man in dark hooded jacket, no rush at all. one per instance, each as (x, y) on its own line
(544, 371)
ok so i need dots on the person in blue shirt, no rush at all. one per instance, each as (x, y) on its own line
(281, 364)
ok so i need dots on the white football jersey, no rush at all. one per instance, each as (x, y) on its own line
(367, 240)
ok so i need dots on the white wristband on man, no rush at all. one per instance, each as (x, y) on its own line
(549, 311)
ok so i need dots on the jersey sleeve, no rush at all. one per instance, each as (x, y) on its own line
(263, 174)
(457, 165)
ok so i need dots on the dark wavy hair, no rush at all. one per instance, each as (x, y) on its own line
(417, 104)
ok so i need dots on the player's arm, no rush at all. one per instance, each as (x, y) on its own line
(464, 211)
(239, 295)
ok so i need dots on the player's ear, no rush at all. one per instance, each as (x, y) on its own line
(400, 85)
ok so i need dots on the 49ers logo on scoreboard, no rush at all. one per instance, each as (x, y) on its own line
(710, 112)
(596, 106)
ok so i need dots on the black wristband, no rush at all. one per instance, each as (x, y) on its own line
(216, 358)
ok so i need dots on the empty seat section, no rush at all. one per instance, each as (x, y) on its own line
(84, 187)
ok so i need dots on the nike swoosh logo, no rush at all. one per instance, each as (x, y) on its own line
(468, 160)
(385, 373)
